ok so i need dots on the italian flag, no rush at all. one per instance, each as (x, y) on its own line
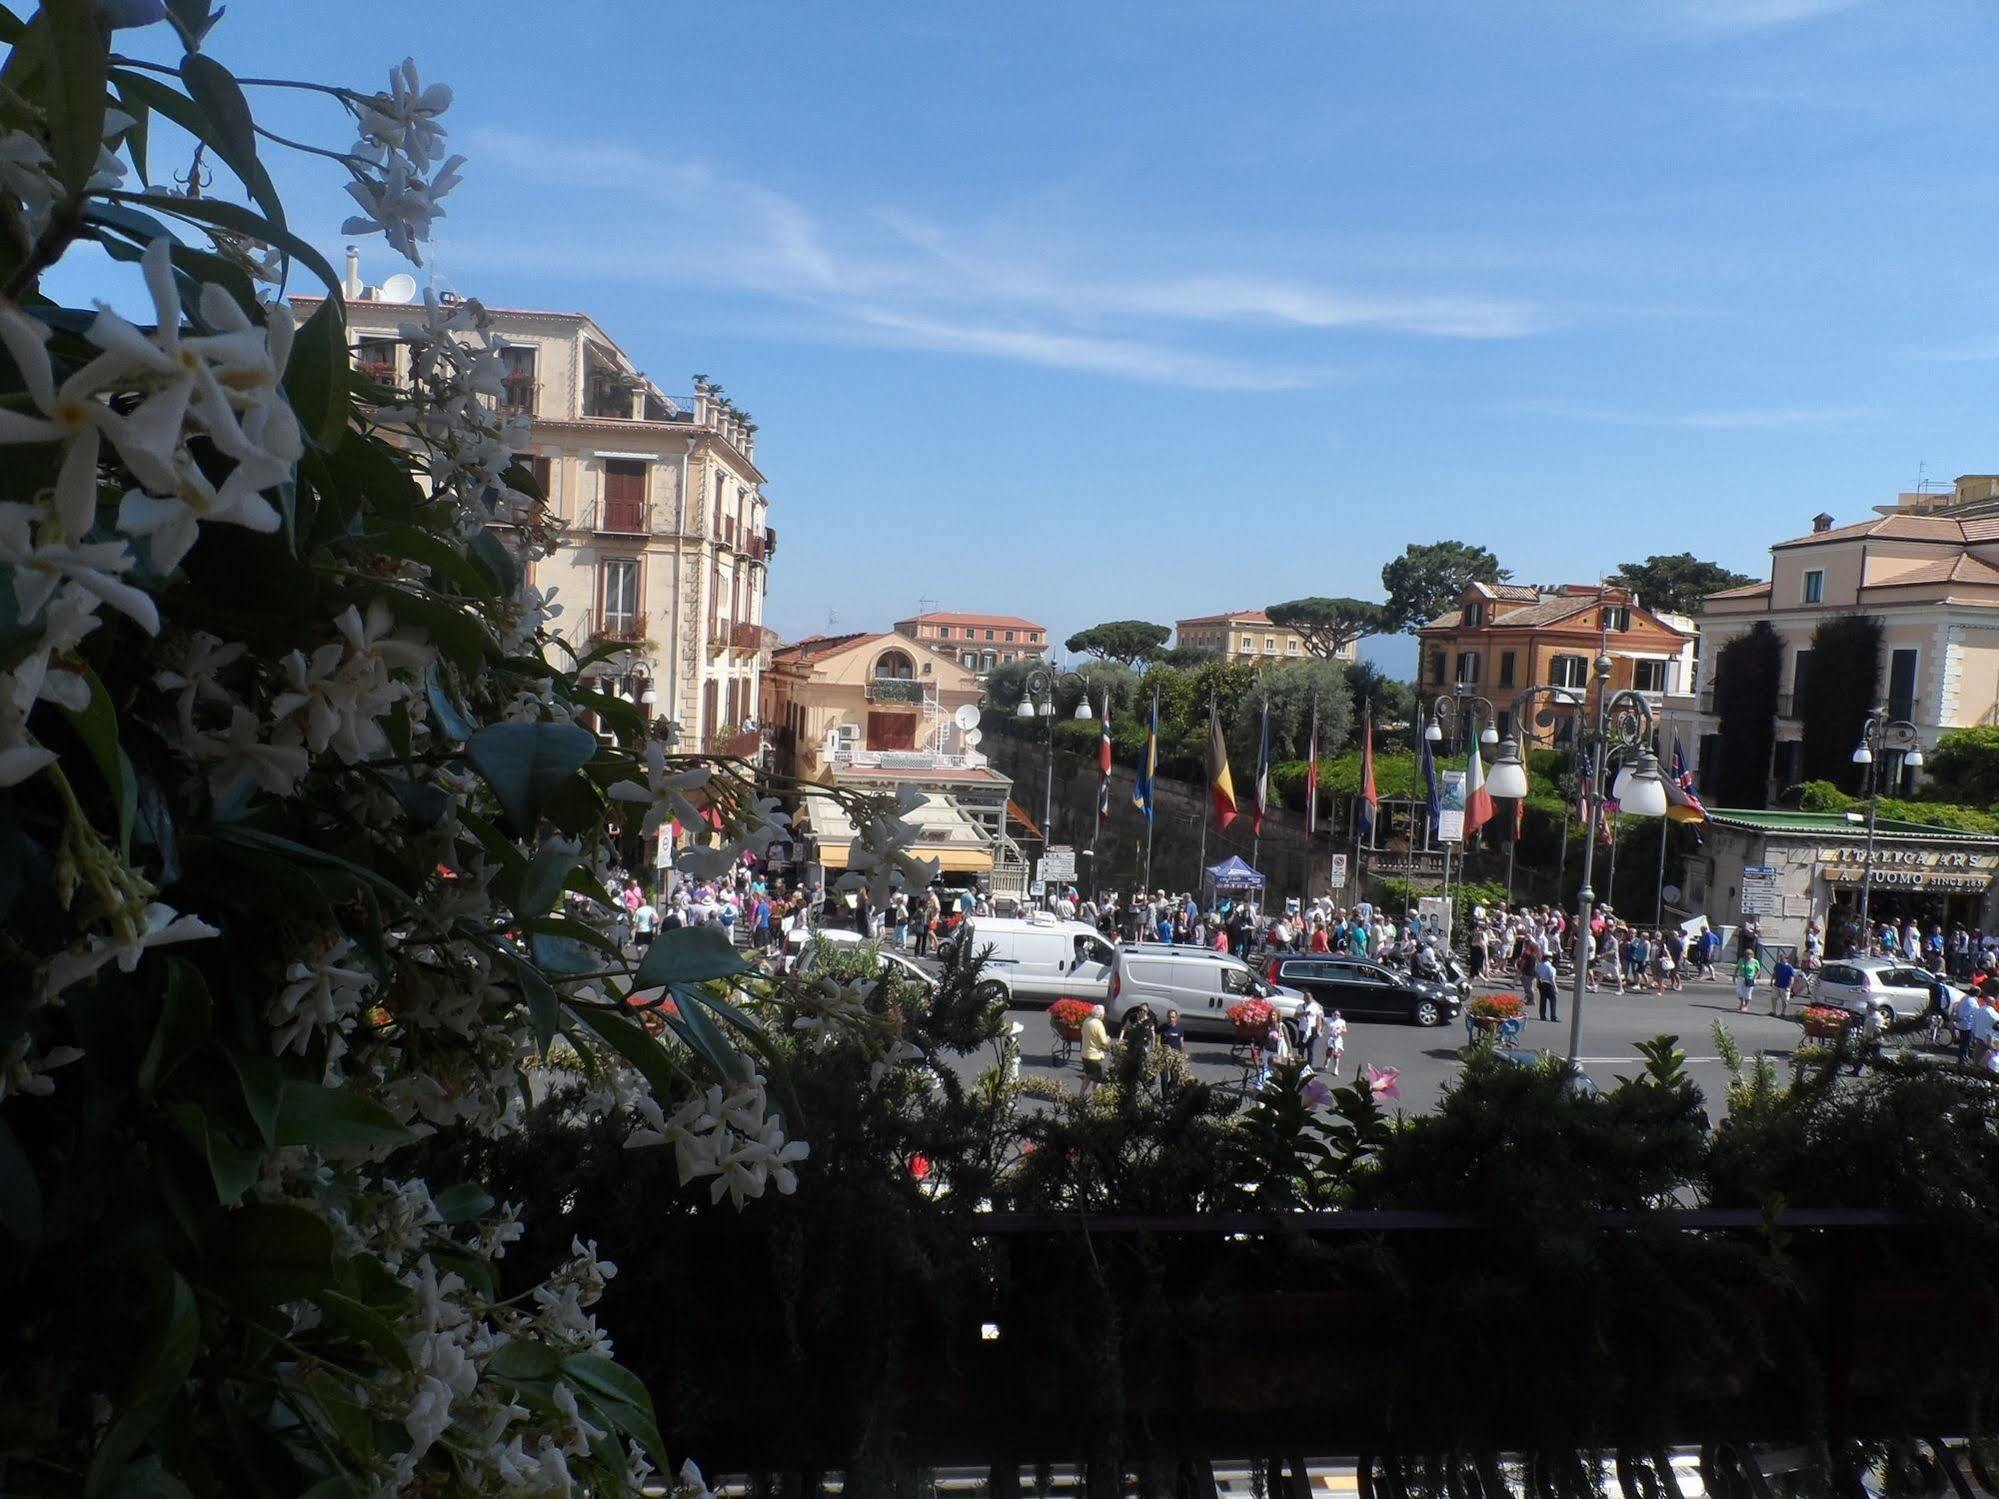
(1478, 801)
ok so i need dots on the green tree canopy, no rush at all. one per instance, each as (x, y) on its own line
(1128, 640)
(1428, 578)
(1964, 766)
(1391, 699)
(1676, 583)
(1328, 625)
(1838, 685)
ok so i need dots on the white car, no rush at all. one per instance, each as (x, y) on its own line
(1041, 958)
(1890, 986)
(812, 944)
(1198, 982)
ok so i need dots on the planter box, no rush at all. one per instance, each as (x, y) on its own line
(1826, 1028)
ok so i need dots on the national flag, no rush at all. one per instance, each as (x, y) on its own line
(1221, 784)
(1585, 781)
(1478, 801)
(1436, 803)
(1104, 741)
(1519, 816)
(1681, 803)
(1312, 774)
(1370, 799)
(1104, 798)
(1262, 774)
(1148, 763)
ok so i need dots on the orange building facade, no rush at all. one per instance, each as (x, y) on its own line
(1506, 637)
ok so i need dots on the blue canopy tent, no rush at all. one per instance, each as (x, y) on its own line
(1233, 877)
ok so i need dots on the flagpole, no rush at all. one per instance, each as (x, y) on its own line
(1311, 804)
(1659, 901)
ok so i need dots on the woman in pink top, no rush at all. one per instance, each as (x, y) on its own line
(1221, 942)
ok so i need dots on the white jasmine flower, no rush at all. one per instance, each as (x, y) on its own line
(323, 994)
(429, 1414)
(24, 1073)
(162, 927)
(667, 791)
(24, 173)
(400, 203)
(405, 118)
(45, 554)
(242, 754)
(578, 1432)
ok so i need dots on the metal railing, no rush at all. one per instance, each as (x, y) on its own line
(745, 636)
(618, 626)
(754, 545)
(520, 396)
(621, 517)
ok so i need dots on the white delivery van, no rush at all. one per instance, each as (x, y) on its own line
(1197, 981)
(1041, 958)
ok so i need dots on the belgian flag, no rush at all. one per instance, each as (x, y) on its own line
(1221, 785)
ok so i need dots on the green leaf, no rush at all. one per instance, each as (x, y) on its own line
(330, 1118)
(498, 562)
(182, 1027)
(524, 1359)
(136, 137)
(564, 955)
(247, 837)
(20, 1193)
(97, 726)
(448, 715)
(621, 1394)
(241, 220)
(525, 762)
(363, 1324)
(435, 552)
(544, 1008)
(316, 374)
(231, 131)
(78, 64)
(689, 955)
(233, 1169)
(262, 1080)
(546, 874)
(423, 804)
(162, 1368)
(463, 1202)
(192, 18)
(268, 1252)
(631, 1042)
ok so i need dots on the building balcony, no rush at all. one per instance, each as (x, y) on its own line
(740, 636)
(381, 371)
(754, 545)
(620, 518)
(520, 395)
(897, 690)
(618, 627)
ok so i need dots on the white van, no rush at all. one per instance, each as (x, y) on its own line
(1041, 958)
(1197, 981)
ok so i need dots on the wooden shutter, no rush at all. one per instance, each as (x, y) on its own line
(624, 495)
(891, 731)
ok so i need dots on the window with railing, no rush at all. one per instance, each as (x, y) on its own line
(618, 615)
(375, 359)
(518, 384)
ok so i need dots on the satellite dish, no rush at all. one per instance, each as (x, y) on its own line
(400, 287)
(967, 717)
(1671, 892)
(973, 736)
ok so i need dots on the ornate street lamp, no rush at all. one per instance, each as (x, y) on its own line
(1462, 708)
(1620, 738)
(1880, 735)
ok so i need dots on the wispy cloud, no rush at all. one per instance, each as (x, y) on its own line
(994, 291)
(1754, 15)
(1720, 419)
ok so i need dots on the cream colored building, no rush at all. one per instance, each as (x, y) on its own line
(979, 642)
(1927, 567)
(879, 711)
(664, 526)
(1246, 635)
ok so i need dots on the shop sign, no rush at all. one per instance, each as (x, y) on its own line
(1905, 858)
(1760, 895)
(1969, 881)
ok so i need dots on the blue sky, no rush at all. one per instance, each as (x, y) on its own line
(1105, 310)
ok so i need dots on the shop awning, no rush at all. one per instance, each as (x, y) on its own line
(948, 835)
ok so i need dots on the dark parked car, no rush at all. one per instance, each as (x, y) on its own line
(1362, 990)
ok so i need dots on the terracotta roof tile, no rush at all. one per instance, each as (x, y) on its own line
(1959, 569)
(1744, 591)
(983, 621)
(1237, 617)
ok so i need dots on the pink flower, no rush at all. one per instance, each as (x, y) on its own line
(1317, 1093)
(1383, 1082)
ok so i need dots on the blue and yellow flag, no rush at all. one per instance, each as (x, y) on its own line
(1148, 762)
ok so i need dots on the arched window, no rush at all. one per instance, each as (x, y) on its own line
(895, 664)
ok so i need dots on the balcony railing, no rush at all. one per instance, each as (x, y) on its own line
(519, 395)
(621, 517)
(745, 636)
(381, 371)
(754, 545)
(612, 626)
(897, 690)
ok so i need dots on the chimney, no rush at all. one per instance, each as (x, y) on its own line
(351, 287)
(1821, 522)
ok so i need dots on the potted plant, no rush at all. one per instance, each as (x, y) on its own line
(1067, 1016)
(1827, 1022)
(1251, 1018)
(1490, 1011)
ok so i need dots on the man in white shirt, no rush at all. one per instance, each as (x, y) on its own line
(1311, 1018)
(1963, 1015)
(1544, 983)
(645, 920)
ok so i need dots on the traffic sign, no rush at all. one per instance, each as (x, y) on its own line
(1339, 871)
(1058, 862)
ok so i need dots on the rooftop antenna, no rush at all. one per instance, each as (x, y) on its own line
(832, 621)
(925, 604)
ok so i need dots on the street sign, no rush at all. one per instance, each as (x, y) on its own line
(1760, 896)
(1339, 871)
(1058, 862)
(1037, 889)
(1451, 807)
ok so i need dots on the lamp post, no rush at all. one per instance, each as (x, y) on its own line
(1037, 700)
(1879, 735)
(1460, 708)
(1619, 738)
